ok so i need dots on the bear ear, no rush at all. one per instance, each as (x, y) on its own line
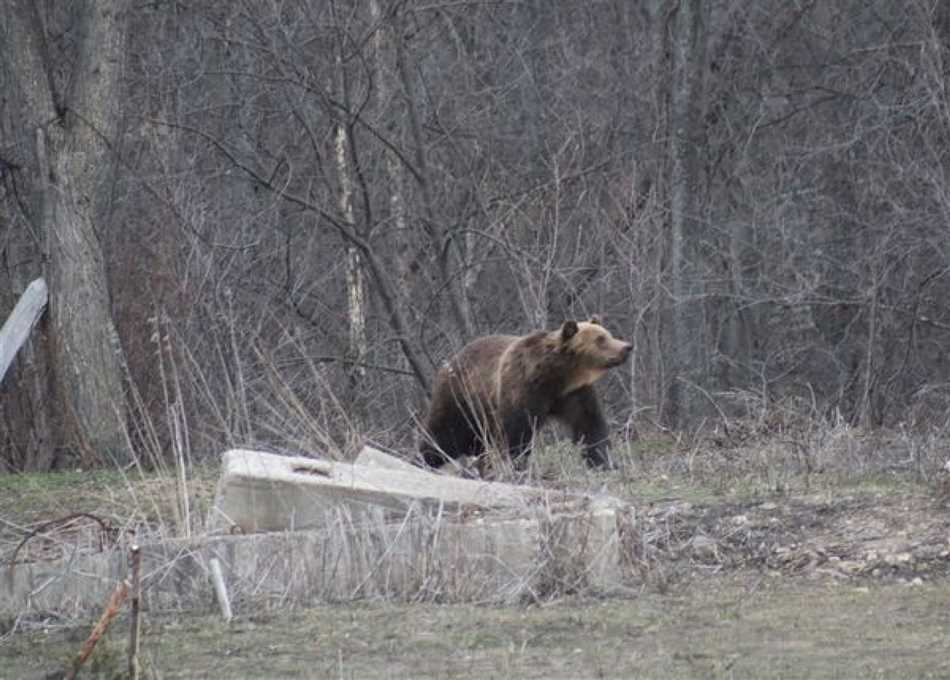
(596, 320)
(568, 330)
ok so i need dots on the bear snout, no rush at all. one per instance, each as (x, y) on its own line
(623, 353)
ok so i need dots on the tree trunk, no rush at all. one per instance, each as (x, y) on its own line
(686, 287)
(25, 78)
(76, 165)
(355, 288)
(446, 246)
(383, 60)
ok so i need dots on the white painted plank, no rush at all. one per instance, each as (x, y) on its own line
(16, 329)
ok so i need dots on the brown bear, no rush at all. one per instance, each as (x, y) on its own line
(500, 389)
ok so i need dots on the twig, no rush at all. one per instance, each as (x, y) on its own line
(109, 533)
(13, 629)
(112, 610)
(135, 560)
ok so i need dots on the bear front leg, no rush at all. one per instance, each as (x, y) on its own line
(580, 411)
(449, 434)
(518, 430)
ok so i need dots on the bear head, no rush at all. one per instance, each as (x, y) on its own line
(593, 351)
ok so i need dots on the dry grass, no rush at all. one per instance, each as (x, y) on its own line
(738, 625)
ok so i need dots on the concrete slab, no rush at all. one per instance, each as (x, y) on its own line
(421, 557)
(261, 491)
(452, 540)
(374, 457)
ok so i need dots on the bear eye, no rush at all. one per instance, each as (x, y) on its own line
(601, 341)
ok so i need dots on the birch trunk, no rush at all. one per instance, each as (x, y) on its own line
(355, 288)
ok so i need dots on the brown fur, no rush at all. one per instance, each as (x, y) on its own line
(499, 389)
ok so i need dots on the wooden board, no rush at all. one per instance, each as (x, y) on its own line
(16, 329)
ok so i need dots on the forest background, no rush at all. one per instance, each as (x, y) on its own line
(267, 223)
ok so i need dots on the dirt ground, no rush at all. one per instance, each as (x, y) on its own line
(833, 581)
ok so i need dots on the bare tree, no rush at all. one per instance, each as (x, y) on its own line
(752, 192)
(355, 288)
(686, 331)
(76, 122)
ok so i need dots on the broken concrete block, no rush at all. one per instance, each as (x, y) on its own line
(421, 557)
(266, 492)
(374, 457)
(371, 455)
(451, 539)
